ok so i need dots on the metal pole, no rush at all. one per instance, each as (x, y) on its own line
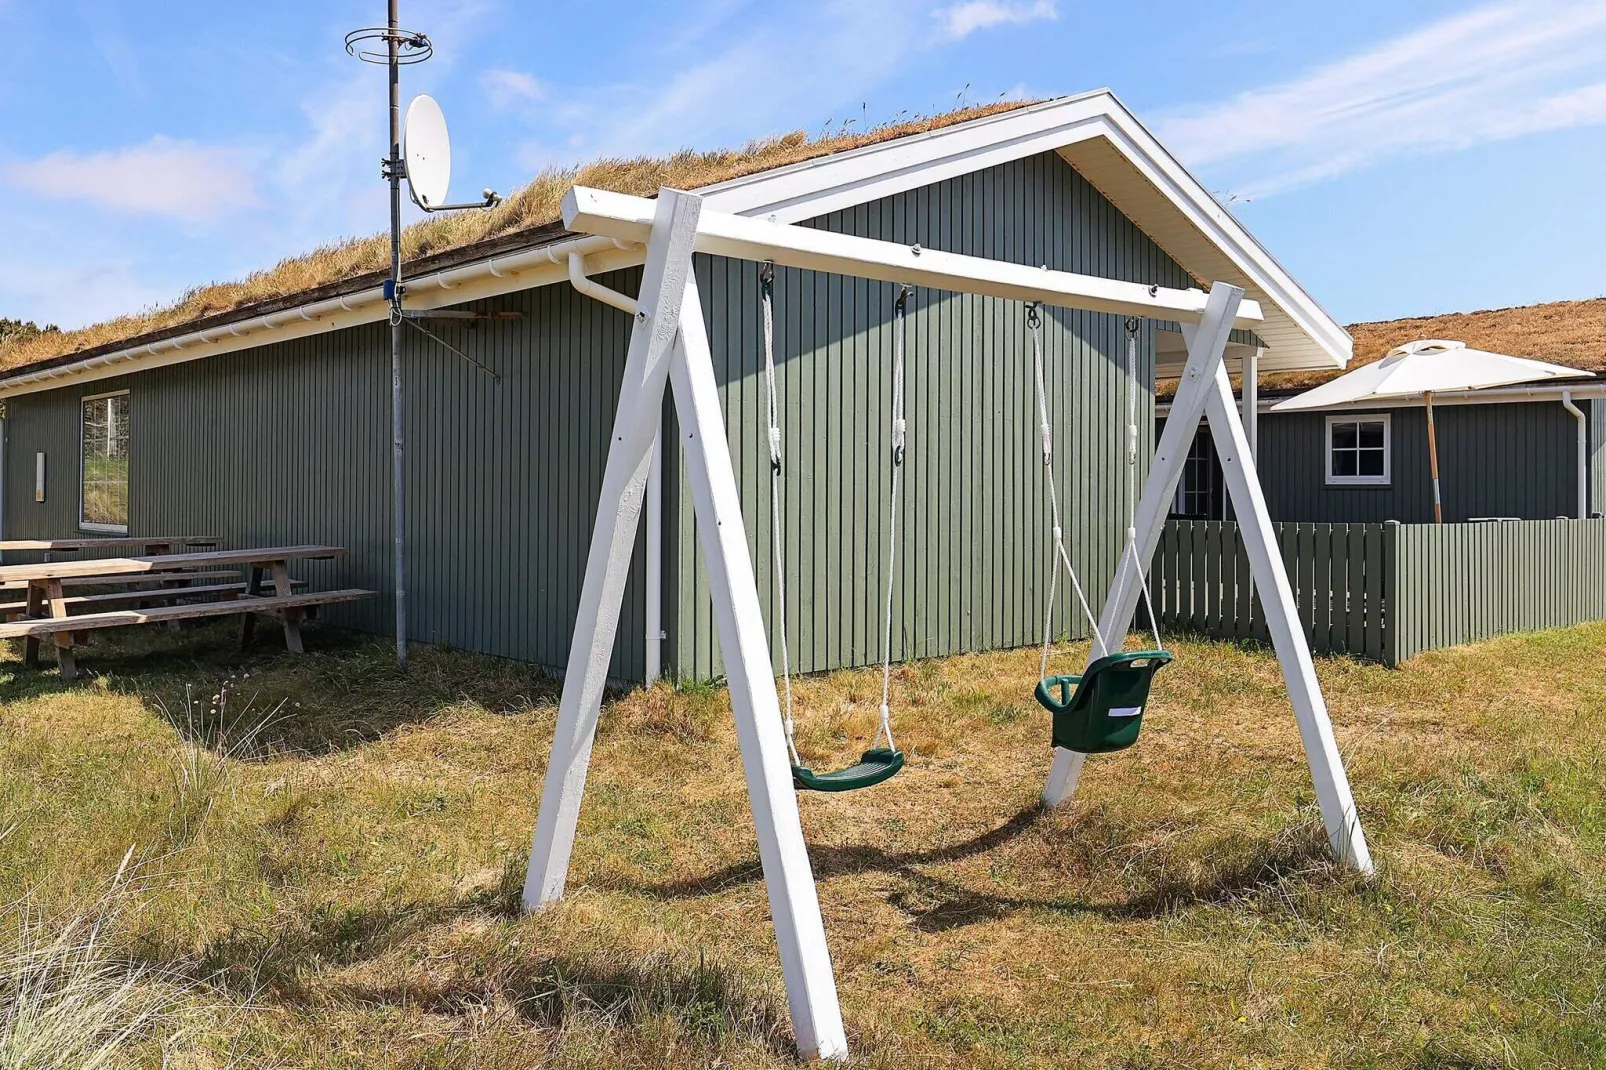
(399, 519)
(1433, 459)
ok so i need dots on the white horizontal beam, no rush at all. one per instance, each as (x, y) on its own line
(626, 218)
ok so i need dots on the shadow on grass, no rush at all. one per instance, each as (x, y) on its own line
(616, 989)
(1162, 881)
(344, 692)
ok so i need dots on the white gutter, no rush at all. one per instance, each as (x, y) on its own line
(1490, 396)
(1583, 453)
(653, 654)
(468, 282)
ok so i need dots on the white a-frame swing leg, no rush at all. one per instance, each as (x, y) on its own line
(669, 341)
(744, 646)
(1205, 390)
(624, 480)
(1287, 635)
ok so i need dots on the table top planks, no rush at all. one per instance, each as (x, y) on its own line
(122, 566)
(64, 545)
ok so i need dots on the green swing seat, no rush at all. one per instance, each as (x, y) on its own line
(873, 767)
(1102, 709)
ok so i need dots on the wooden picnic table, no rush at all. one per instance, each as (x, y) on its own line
(48, 606)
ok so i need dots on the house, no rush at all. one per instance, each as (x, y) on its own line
(260, 413)
(1521, 452)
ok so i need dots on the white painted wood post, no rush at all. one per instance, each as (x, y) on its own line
(624, 479)
(1251, 402)
(1205, 348)
(653, 574)
(744, 645)
(1287, 634)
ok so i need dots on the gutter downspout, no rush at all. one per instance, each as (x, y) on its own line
(1583, 453)
(652, 668)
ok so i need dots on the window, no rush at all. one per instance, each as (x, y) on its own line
(103, 473)
(1358, 449)
(1200, 489)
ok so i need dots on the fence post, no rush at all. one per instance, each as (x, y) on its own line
(1391, 618)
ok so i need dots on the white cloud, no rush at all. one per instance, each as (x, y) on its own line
(744, 78)
(960, 20)
(505, 88)
(1499, 71)
(746, 84)
(178, 179)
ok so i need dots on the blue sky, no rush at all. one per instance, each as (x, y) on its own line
(1398, 158)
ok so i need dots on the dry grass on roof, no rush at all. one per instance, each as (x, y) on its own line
(1563, 332)
(534, 205)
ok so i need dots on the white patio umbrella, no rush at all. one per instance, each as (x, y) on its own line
(1426, 368)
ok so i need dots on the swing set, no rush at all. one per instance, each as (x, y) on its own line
(1097, 710)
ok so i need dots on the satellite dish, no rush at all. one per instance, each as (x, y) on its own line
(428, 151)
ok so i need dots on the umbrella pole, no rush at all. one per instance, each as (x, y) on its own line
(1433, 459)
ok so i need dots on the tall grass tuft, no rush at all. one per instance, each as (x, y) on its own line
(209, 742)
(68, 1002)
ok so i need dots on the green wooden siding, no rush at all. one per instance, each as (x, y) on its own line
(1516, 459)
(974, 520)
(289, 443)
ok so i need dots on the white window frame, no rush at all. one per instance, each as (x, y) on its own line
(84, 525)
(1384, 480)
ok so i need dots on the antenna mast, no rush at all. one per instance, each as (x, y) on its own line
(395, 48)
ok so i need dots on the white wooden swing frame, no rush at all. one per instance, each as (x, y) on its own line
(669, 346)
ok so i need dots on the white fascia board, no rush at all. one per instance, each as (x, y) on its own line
(628, 218)
(816, 187)
(1185, 192)
(827, 184)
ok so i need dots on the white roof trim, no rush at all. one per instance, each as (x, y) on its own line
(1207, 241)
(1495, 395)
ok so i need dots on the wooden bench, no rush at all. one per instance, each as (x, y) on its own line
(45, 583)
(289, 608)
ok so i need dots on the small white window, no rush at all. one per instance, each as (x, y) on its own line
(103, 463)
(1359, 450)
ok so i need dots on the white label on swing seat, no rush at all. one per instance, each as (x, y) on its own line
(1126, 711)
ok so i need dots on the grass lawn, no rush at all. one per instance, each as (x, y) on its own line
(316, 862)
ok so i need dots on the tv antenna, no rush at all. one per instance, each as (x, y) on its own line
(423, 156)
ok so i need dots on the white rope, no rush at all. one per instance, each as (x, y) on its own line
(778, 544)
(1132, 481)
(899, 429)
(1058, 556)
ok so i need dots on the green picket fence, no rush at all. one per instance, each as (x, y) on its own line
(1388, 591)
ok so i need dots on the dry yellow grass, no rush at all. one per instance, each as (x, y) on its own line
(535, 205)
(342, 881)
(1564, 332)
